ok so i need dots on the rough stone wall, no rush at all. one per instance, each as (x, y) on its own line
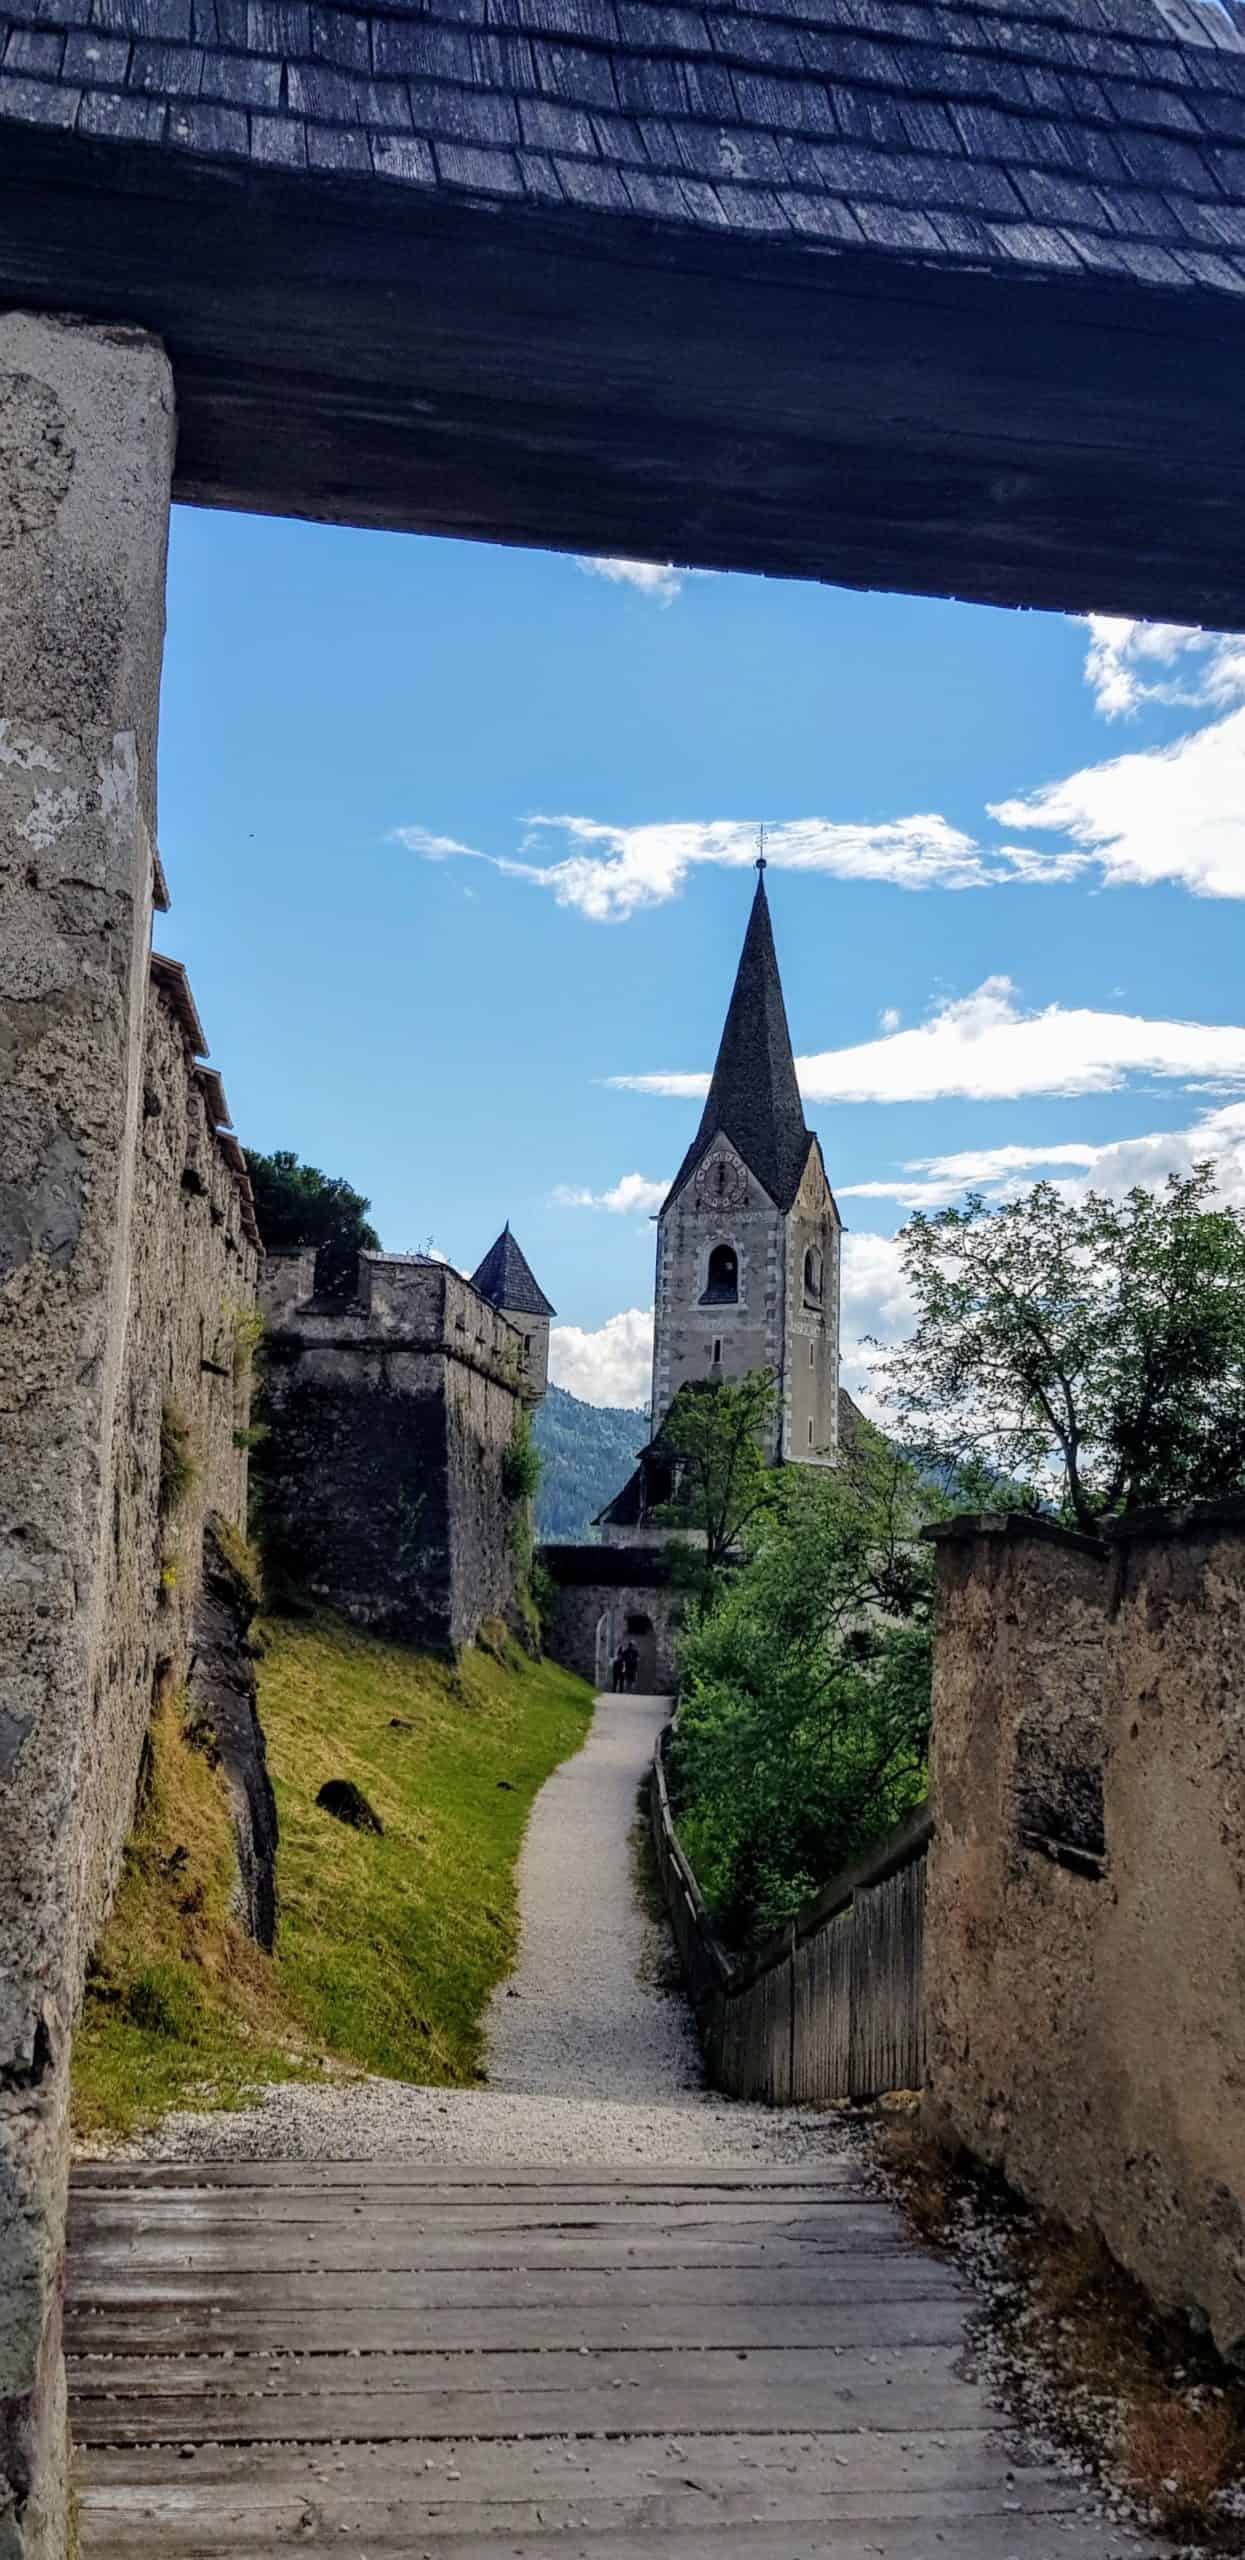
(1085, 1946)
(86, 451)
(592, 1603)
(192, 1287)
(390, 1415)
(1170, 1975)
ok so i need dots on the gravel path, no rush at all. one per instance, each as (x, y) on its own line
(592, 2055)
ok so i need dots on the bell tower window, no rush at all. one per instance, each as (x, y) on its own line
(722, 1278)
(812, 1275)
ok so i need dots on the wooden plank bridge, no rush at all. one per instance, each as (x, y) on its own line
(381, 2359)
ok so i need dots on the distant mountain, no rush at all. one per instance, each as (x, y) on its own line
(588, 1452)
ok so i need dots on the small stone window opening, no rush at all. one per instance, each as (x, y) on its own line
(722, 1278)
(812, 1275)
(717, 1351)
(810, 1434)
(812, 1355)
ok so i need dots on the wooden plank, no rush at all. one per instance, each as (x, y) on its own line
(989, 2537)
(829, 2276)
(636, 2177)
(340, 2209)
(466, 2470)
(900, 2402)
(548, 2249)
(155, 2328)
(659, 2514)
(527, 2372)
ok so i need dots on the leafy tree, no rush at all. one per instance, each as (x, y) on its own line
(714, 1432)
(1094, 1349)
(295, 1204)
(804, 1716)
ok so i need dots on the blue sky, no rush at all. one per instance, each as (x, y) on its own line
(449, 1027)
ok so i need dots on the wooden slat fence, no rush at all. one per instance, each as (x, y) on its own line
(834, 2006)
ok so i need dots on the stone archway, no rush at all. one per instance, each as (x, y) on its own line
(643, 1635)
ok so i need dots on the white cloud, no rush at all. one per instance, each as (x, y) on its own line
(612, 1365)
(609, 873)
(632, 1196)
(875, 1305)
(649, 577)
(986, 1047)
(1113, 1166)
(1173, 813)
(1128, 664)
(889, 1018)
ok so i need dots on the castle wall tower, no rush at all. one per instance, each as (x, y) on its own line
(748, 1236)
(506, 1279)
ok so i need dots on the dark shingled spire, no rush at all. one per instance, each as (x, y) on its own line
(754, 1099)
(506, 1279)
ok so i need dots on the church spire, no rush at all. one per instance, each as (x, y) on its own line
(754, 1099)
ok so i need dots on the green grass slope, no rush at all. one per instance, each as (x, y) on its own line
(387, 1946)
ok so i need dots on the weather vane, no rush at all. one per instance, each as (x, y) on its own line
(761, 846)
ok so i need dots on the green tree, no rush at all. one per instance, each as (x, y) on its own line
(804, 1714)
(1092, 1349)
(714, 1433)
(295, 1204)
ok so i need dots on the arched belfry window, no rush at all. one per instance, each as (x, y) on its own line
(812, 1274)
(722, 1279)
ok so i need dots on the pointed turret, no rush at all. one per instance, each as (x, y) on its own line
(754, 1099)
(506, 1279)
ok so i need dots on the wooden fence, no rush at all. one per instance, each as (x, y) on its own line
(833, 2007)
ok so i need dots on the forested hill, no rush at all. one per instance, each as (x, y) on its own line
(588, 1451)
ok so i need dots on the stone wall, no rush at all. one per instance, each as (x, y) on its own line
(1086, 1915)
(390, 1415)
(187, 1373)
(595, 1593)
(86, 455)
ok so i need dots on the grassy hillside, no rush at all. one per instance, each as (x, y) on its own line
(587, 1453)
(387, 1946)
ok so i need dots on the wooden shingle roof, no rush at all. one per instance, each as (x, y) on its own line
(1055, 134)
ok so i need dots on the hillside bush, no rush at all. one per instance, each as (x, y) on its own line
(804, 1721)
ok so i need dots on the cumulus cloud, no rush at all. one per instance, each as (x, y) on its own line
(1128, 664)
(987, 1047)
(1114, 1166)
(875, 1307)
(632, 1196)
(648, 577)
(1170, 813)
(611, 1365)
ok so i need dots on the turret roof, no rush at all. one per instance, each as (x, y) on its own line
(506, 1279)
(754, 1099)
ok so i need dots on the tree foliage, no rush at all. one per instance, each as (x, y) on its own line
(714, 1432)
(295, 1204)
(1092, 1349)
(804, 1716)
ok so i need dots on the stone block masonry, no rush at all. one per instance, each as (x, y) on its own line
(383, 1480)
(1084, 1945)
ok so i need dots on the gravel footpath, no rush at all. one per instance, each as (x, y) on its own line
(592, 2056)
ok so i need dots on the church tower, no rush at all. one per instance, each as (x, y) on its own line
(748, 1235)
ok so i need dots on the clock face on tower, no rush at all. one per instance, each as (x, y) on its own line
(720, 1183)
